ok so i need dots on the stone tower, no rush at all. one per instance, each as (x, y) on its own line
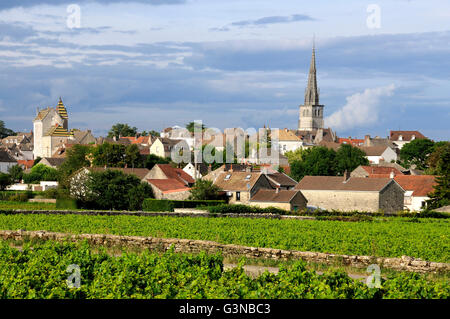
(311, 112)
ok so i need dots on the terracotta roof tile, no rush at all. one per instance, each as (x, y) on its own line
(176, 173)
(168, 185)
(421, 185)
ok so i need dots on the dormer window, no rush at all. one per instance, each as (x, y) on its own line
(400, 138)
(248, 177)
(413, 137)
(227, 177)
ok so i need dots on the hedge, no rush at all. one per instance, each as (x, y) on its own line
(244, 209)
(63, 203)
(196, 203)
(157, 205)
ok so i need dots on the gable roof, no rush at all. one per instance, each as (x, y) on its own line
(381, 170)
(55, 161)
(421, 185)
(336, 183)
(281, 180)
(168, 185)
(237, 180)
(287, 135)
(42, 114)
(6, 158)
(406, 135)
(271, 195)
(377, 150)
(176, 173)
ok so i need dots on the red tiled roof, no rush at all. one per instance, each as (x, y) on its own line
(406, 135)
(176, 173)
(381, 170)
(26, 164)
(421, 185)
(351, 141)
(168, 185)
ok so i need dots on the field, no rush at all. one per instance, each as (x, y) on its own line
(427, 239)
(41, 272)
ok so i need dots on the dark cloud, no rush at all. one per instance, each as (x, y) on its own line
(8, 4)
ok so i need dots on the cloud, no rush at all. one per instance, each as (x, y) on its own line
(361, 110)
(15, 31)
(265, 21)
(8, 4)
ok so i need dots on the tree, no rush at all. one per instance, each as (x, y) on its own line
(191, 125)
(348, 158)
(39, 173)
(441, 195)
(434, 161)
(153, 159)
(204, 190)
(5, 181)
(297, 155)
(132, 155)
(109, 155)
(5, 132)
(416, 153)
(16, 173)
(119, 130)
(112, 189)
(154, 133)
(76, 158)
(316, 161)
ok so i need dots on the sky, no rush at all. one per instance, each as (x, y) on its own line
(381, 65)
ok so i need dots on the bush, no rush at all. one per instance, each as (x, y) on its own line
(65, 203)
(157, 205)
(196, 203)
(21, 197)
(244, 209)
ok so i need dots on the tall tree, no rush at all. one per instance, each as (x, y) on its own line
(110, 155)
(132, 156)
(120, 130)
(154, 133)
(348, 158)
(16, 173)
(204, 190)
(5, 181)
(4, 132)
(416, 153)
(441, 194)
(77, 157)
(316, 161)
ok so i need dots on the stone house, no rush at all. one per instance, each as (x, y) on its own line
(53, 162)
(6, 161)
(352, 193)
(169, 182)
(196, 171)
(379, 153)
(290, 200)
(241, 186)
(381, 171)
(400, 138)
(281, 181)
(163, 146)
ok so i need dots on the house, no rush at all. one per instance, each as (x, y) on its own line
(241, 186)
(25, 164)
(83, 137)
(163, 146)
(6, 161)
(281, 181)
(288, 141)
(367, 171)
(400, 138)
(379, 153)
(378, 141)
(196, 171)
(53, 162)
(416, 189)
(351, 141)
(352, 193)
(290, 200)
(169, 182)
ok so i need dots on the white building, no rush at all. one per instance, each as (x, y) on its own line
(377, 154)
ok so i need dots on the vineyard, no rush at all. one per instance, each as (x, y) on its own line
(427, 239)
(41, 272)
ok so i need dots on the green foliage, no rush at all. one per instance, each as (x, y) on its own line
(65, 203)
(39, 272)
(416, 153)
(441, 194)
(153, 159)
(76, 158)
(122, 130)
(157, 205)
(6, 206)
(5, 181)
(191, 126)
(20, 197)
(204, 190)
(245, 209)
(5, 132)
(154, 133)
(39, 173)
(109, 155)
(16, 173)
(439, 158)
(315, 161)
(132, 155)
(112, 189)
(348, 158)
(36, 161)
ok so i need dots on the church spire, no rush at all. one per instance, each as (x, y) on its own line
(311, 94)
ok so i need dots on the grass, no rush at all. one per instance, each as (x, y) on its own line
(8, 205)
(393, 237)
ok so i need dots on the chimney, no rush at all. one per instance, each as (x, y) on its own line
(209, 168)
(231, 168)
(346, 176)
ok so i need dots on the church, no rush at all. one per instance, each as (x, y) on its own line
(50, 128)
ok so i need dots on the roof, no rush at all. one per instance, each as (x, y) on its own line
(42, 114)
(351, 141)
(381, 170)
(374, 150)
(58, 130)
(55, 161)
(337, 183)
(6, 158)
(81, 137)
(330, 145)
(406, 135)
(61, 109)
(168, 185)
(421, 185)
(237, 181)
(176, 173)
(281, 179)
(139, 172)
(271, 195)
(287, 135)
(26, 163)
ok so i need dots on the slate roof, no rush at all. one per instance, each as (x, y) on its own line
(270, 195)
(336, 183)
(6, 158)
(55, 161)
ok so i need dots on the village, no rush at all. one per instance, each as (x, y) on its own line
(257, 168)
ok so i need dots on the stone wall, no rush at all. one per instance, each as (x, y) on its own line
(343, 200)
(195, 246)
(392, 198)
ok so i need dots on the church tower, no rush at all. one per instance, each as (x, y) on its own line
(311, 112)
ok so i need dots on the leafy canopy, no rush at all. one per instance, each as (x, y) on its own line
(120, 129)
(416, 153)
(204, 190)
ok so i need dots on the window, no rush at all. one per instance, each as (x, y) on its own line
(227, 177)
(248, 177)
(238, 196)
